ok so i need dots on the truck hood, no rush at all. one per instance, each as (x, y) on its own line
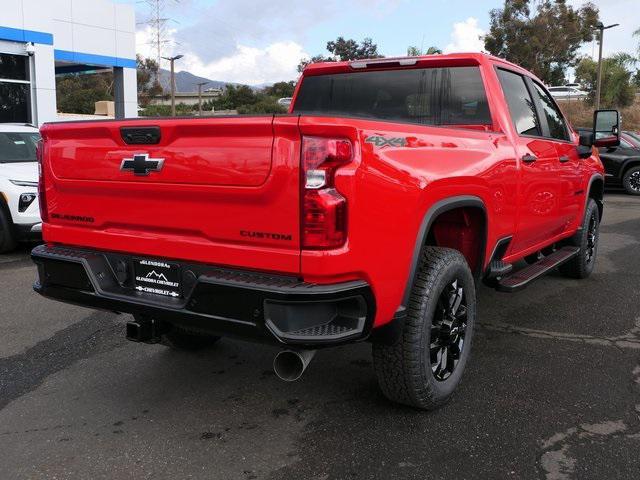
(23, 171)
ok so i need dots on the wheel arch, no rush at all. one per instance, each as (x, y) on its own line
(425, 233)
(596, 192)
(4, 207)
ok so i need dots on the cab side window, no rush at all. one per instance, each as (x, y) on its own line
(555, 121)
(521, 106)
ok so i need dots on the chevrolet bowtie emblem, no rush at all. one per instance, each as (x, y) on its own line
(141, 164)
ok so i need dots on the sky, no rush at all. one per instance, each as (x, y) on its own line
(262, 41)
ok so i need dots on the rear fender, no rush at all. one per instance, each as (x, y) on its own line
(426, 225)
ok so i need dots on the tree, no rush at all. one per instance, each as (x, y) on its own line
(235, 96)
(281, 89)
(316, 59)
(416, 52)
(79, 92)
(264, 105)
(344, 50)
(617, 90)
(245, 100)
(541, 35)
(147, 75)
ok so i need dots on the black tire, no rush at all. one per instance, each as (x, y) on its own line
(406, 374)
(7, 236)
(631, 180)
(179, 339)
(582, 265)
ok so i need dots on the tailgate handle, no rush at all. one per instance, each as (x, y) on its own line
(140, 135)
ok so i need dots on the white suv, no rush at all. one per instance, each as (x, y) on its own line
(19, 209)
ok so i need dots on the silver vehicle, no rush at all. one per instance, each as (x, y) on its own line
(567, 92)
(284, 102)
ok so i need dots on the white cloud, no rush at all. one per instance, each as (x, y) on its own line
(143, 42)
(276, 62)
(252, 66)
(466, 37)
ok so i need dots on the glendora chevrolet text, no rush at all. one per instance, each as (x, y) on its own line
(370, 212)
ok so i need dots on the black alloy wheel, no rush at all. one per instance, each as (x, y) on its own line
(592, 238)
(586, 239)
(423, 364)
(448, 331)
(632, 181)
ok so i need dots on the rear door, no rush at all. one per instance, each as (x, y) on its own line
(216, 190)
(570, 174)
(539, 188)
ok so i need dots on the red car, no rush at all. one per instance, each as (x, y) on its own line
(370, 212)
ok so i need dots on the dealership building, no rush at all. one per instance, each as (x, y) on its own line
(40, 39)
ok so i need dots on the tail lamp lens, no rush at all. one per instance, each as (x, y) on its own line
(44, 210)
(324, 210)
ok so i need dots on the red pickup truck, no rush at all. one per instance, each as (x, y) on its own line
(371, 211)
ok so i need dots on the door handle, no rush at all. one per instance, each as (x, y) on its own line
(528, 158)
(564, 159)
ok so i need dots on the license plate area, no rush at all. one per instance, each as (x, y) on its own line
(157, 277)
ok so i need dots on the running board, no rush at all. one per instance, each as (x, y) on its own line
(522, 278)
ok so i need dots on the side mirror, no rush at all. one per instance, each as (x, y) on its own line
(585, 145)
(606, 128)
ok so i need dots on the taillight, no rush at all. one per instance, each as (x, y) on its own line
(324, 210)
(42, 200)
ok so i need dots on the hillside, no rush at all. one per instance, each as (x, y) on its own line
(188, 83)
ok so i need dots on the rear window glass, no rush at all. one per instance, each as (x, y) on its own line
(428, 96)
(18, 147)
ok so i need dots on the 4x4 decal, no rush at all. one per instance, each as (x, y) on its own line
(382, 142)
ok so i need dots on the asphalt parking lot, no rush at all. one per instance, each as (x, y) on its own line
(552, 391)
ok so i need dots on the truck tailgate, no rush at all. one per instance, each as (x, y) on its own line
(215, 190)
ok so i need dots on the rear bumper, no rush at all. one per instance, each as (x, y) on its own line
(250, 305)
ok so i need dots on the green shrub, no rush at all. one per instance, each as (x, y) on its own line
(165, 110)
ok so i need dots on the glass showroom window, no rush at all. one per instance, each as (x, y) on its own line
(15, 89)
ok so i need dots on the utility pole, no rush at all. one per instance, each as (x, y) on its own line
(173, 82)
(158, 24)
(200, 85)
(601, 28)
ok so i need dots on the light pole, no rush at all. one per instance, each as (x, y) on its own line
(601, 28)
(200, 85)
(173, 82)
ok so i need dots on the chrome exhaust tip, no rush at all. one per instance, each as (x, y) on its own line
(289, 365)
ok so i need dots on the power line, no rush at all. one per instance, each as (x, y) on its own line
(158, 23)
